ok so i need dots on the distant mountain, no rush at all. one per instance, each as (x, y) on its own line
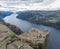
(31, 14)
(50, 18)
(5, 13)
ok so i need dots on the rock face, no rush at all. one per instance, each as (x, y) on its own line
(9, 40)
(15, 29)
(34, 39)
(38, 39)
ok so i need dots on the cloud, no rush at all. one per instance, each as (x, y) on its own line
(29, 4)
(55, 5)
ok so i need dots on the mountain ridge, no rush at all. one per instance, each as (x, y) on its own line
(49, 18)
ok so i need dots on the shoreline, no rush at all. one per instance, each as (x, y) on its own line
(49, 24)
(15, 29)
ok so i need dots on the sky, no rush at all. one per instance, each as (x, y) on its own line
(21, 5)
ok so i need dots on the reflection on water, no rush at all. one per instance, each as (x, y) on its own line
(54, 40)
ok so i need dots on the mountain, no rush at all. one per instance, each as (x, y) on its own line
(37, 13)
(49, 18)
(5, 13)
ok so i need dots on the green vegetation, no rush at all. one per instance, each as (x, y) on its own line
(49, 18)
(40, 46)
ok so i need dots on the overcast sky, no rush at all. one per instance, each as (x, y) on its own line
(29, 4)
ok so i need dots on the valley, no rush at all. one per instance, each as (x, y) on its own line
(48, 18)
(25, 26)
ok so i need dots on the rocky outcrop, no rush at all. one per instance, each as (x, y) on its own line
(38, 39)
(34, 39)
(9, 40)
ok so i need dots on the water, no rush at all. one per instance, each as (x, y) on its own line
(54, 39)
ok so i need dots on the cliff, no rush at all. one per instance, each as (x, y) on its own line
(36, 38)
(12, 27)
(9, 40)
